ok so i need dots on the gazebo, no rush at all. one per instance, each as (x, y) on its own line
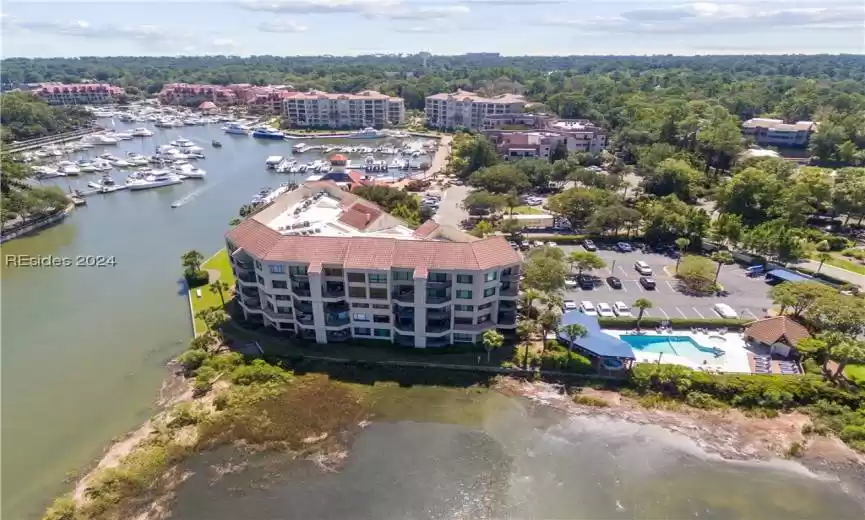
(609, 353)
(780, 334)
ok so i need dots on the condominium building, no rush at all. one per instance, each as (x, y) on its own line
(469, 110)
(582, 135)
(328, 110)
(323, 264)
(77, 93)
(188, 94)
(775, 132)
(577, 136)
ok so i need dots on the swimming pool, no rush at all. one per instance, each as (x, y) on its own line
(677, 345)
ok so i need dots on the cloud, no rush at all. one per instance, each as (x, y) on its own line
(714, 18)
(439, 12)
(281, 26)
(318, 6)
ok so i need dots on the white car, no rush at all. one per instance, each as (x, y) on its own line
(570, 305)
(588, 308)
(725, 311)
(570, 284)
(621, 309)
(552, 244)
(605, 311)
(643, 268)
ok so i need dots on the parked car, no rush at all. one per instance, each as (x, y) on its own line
(621, 309)
(624, 247)
(513, 244)
(725, 311)
(570, 284)
(755, 270)
(643, 268)
(614, 282)
(586, 282)
(570, 305)
(552, 244)
(588, 308)
(648, 283)
(605, 311)
(588, 245)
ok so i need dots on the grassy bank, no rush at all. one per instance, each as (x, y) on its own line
(209, 299)
(843, 263)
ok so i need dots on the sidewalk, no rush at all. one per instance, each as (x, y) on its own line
(836, 272)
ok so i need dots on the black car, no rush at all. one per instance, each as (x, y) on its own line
(586, 282)
(648, 283)
(614, 282)
(588, 245)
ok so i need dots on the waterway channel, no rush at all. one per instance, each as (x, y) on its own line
(84, 349)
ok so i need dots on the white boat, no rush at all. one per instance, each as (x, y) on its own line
(154, 179)
(236, 128)
(105, 184)
(87, 168)
(182, 143)
(102, 165)
(137, 159)
(367, 133)
(104, 139)
(272, 161)
(141, 132)
(120, 163)
(68, 168)
(46, 172)
(123, 136)
(188, 171)
(298, 148)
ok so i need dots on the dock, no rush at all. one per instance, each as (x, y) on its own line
(30, 144)
(94, 191)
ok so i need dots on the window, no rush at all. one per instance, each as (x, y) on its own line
(380, 306)
(464, 308)
(382, 333)
(489, 292)
(378, 293)
(260, 280)
(485, 306)
(362, 331)
(359, 316)
(277, 269)
(464, 295)
(438, 277)
(297, 270)
(465, 278)
(491, 276)
(356, 277)
(360, 305)
(258, 265)
(484, 319)
(377, 278)
(282, 297)
(463, 338)
(284, 310)
(331, 271)
(279, 284)
(381, 319)
(508, 271)
(402, 276)
(357, 292)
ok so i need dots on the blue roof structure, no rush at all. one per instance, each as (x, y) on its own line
(595, 341)
(788, 276)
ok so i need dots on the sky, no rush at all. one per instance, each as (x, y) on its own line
(49, 28)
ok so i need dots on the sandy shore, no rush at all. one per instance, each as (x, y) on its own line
(730, 434)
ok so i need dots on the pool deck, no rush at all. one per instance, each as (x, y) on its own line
(737, 358)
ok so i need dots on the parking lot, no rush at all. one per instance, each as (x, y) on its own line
(747, 296)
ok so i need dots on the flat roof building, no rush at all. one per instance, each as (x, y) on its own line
(775, 132)
(469, 110)
(318, 109)
(323, 264)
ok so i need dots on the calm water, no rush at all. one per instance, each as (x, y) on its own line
(84, 349)
(485, 456)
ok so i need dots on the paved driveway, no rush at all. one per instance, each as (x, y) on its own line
(451, 212)
(748, 296)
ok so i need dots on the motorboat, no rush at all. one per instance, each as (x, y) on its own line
(136, 159)
(105, 182)
(367, 133)
(188, 171)
(216, 144)
(236, 128)
(182, 143)
(266, 132)
(68, 168)
(141, 132)
(120, 163)
(102, 165)
(87, 167)
(104, 139)
(123, 136)
(153, 179)
(46, 172)
(298, 148)
(272, 161)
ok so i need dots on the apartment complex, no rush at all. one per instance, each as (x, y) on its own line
(256, 98)
(319, 109)
(323, 264)
(775, 132)
(577, 135)
(469, 110)
(77, 93)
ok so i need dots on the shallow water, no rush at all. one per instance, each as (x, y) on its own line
(486, 456)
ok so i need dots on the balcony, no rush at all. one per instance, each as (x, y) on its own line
(434, 327)
(441, 313)
(507, 305)
(301, 290)
(404, 341)
(244, 266)
(299, 277)
(246, 279)
(438, 342)
(333, 291)
(439, 284)
(251, 306)
(305, 319)
(403, 312)
(331, 320)
(307, 334)
(248, 292)
(513, 277)
(275, 315)
(507, 318)
(404, 325)
(303, 307)
(405, 296)
(474, 327)
(338, 336)
(509, 289)
(435, 299)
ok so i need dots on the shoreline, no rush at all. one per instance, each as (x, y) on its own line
(729, 435)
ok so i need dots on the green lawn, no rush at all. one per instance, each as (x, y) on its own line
(220, 262)
(855, 372)
(843, 263)
(527, 210)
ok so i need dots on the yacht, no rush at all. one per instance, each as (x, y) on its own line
(106, 184)
(123, 136)
(367, 133)
(68, 168)
(86, 166)
(102, 165)
(298, 148)
(46, 172)
(182, 143)
(188, 171)
(236, 128)
(121, 163)
(153, 179)
(272, 161)
(104, 139)
(266, 132)
(141, 132)
(136, 159)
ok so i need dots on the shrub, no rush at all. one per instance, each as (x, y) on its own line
(588, 400)
(795, 450)
(192, 359)
(259, 372)
(703, 400)
(63, 508)
(184, 414)
(224, 362)
(557, 358)
(204, 377)
(858, 254)
(196, 278)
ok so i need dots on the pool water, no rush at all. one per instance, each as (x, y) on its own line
(683, 346)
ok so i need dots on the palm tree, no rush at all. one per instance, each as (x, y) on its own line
(823, 257)
(682, 244)
(525, 330)
(573, 331)
(204, 315)
(529, 296)
(641, 304)
(722, 257)
(219, 287)
(553, 301)
(548, 320)
(192, 260)
(492, 339)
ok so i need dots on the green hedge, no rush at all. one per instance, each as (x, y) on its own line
(576, 239)
(676, 323)
(820, 276)
(196, 279)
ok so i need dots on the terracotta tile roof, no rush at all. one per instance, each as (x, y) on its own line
(426, 229)
(780, 329)
(360, 216)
